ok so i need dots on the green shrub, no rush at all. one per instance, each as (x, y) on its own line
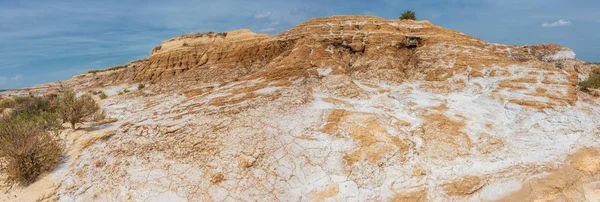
(102, 96)
(408, 15)
(592, 82)
(141, 86)
(7, 103)
(75, 109)
(26, 147)
(43, 120)
(31, 105)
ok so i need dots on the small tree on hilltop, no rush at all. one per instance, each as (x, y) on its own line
(75, 109)
(408, 15)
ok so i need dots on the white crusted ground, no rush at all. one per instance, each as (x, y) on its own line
(169, 147)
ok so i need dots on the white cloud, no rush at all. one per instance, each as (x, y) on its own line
(262, 15)
(559, 23)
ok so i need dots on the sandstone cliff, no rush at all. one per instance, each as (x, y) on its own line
(344, 108)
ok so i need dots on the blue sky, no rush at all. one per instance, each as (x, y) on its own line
(43, 41)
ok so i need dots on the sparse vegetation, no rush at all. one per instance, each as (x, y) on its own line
(27, 148)
(118, 66)
(109, 69)
(157, 48)
(195, 35)
(408, 15)
(592, 82)
(184, 44)
(75, 109)
(141, 86)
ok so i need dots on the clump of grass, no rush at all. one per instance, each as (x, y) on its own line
(141, 86)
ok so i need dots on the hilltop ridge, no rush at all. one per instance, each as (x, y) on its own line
(348, 43)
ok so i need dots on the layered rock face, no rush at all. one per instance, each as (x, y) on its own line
(344, 108)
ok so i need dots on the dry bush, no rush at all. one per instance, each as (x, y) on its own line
(27, 150)
(75, 109)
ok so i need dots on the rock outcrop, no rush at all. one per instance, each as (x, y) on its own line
(342, 108)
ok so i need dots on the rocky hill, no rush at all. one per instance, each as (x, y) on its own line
(343, 108)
